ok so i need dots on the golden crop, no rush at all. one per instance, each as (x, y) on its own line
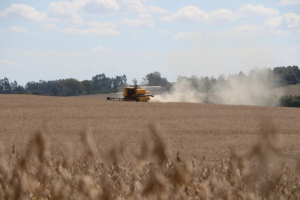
(89, 148)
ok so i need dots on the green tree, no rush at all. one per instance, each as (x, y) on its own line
(118, 82)
(6, 85)
(134, 81)
(287, 75)
(55, 90)
(102, 83)
(124, 80)
(73, 85)
(154, 79)
(87, 86)
(35, 92)
(242, 75)
(290, 101)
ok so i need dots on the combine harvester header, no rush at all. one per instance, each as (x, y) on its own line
(134, 94)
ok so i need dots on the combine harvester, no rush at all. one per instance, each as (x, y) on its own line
(133, 94)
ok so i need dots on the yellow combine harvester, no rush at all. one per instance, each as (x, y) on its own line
(133, 94)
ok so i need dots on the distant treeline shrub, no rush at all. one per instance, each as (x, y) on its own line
(279, 76)
(72, 87)
(7, 88)
(35, 92)
(101, 84)
(288, 75)
(290, 101)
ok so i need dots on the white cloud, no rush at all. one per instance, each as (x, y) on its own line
(64, 11)
(56, 11)
(156, 9)
(61, 10)
(286, 21)
(101, 49)
(18, 29)
(97, 6)
(260, 10)
(244, 30)
(296, 49)
(273, 21)
(135, 32)
(15, 29)
(49, 26)
(186, 14)
(289, 2)
(159, 32)
(247, 28)
(188, 35)
(194, 14)
(220, 15)
(98, 24)
(143, 20)
(8, 63)
(92, 31)
(22, 12)
(69, 11)
(98, 29)
(132, 6)
(109, 6)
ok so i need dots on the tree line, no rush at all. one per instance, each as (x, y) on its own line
(101, 84)
(66, 87)
(270, 78)
(290, 101)
(288, 75)
(7, 88)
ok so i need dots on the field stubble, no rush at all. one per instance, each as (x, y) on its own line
(120, 129)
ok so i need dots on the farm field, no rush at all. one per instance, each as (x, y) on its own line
(198, 129)
(193, 130)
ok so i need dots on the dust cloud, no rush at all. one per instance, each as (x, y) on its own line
(212, 54)
(234, 90)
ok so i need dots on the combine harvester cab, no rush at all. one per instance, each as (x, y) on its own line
(134, 94)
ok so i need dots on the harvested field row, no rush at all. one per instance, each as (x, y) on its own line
(201, 129)
(107, 150)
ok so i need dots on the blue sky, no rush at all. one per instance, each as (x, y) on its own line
(48, 40)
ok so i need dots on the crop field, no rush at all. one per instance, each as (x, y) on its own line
(91, 148)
